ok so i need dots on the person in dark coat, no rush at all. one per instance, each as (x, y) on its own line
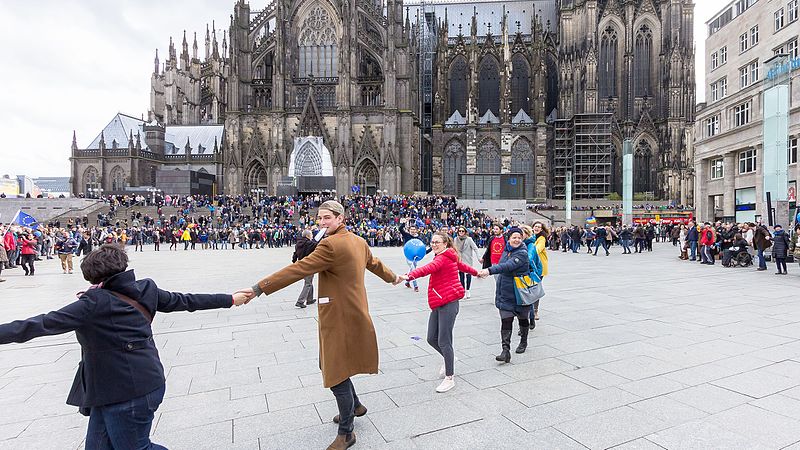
(780, 248)
(120, 380)
(304, 247)
(513, 262)
(761, 241)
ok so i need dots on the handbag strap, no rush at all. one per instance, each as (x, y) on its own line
(135, 304)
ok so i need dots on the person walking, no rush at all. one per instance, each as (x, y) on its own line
(535, 244)
(120, 380)
(186, 237)
(3, 252)
(761, 241)
(65, 246)
(304, 247)
(408, 234)
(513, 262)
(780, 249)
(468, 251)
(347, 341)
(443, 296)
(27, 244)
(707, 240)
(692, 236)
(600, 236)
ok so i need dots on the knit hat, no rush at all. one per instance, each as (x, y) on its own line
(513, 230)
(333, 206)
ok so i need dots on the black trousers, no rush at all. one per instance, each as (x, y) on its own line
(27, 261)
(347, 401)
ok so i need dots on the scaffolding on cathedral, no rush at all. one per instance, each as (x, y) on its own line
(583, 146)
(427, 53)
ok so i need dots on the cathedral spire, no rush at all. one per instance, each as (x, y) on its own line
(224, 43)
(171, 62)
(473, 29)
(156, 64)
(208, 43)
(194, 46)
(74, 141)
(214, 46)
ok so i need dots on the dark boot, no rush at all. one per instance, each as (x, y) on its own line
(523, 340)
(505, 355)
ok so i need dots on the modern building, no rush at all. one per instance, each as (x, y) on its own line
(53, 186)
(729, 130)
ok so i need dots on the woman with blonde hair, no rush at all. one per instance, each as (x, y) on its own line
(536, 243)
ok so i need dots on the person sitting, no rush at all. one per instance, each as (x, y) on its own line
(739, 245)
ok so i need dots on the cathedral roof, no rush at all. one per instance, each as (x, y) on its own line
(488, 12)
(119, 129)
(199, 137)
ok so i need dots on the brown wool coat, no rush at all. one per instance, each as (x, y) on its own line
(347, 342)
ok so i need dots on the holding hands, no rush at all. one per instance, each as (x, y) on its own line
(483, 273)
(243, 296)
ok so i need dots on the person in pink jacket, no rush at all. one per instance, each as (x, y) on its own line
(444, 292)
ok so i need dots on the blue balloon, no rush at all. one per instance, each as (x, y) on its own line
(414, 250)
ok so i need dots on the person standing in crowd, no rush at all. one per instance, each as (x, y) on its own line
(186, 237)
(513, 262)
(10, 243)
(3, 251)
(692, 236)
(494, 248)
(625, 237)
(412, 233)
(347, 341)
(443, 296)
(682, 243)
(27, 244)
(468, 251)
(156, 240)
(120, 381)
(304, 247)
(707, 241)
(761, 241)
(600, 235)
(138, 239)
(65, 246)
(780, 249)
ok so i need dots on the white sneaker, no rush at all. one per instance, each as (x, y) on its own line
(447, 384)
(467, 295)
(443, 371)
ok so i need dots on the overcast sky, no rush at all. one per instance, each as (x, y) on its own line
(72, 65)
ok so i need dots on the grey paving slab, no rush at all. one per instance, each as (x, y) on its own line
(617, 360)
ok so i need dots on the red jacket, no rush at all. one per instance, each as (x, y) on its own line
(444, 286)
(8, 241)
(28, 246)
(707, 237)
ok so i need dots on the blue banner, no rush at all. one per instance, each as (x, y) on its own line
(26, 220)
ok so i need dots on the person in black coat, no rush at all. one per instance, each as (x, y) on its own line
(304, 247)
(513, 262)
(780, 249)
(120, 381)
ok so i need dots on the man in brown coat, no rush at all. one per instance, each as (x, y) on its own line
(347, 342)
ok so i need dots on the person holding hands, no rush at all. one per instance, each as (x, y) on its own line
(444, 291)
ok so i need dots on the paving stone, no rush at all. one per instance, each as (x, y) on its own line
(703, 434)
(671, 412)
(423, 418)
(200, 414)
(252, 427)
(539, 417)
(596, 378)
(610, 428)
(766, 427)
(757, 383)
(492, 432)
(709, 398)
(595, 401)
(545, 389)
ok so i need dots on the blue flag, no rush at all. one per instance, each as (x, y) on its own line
(26, 220)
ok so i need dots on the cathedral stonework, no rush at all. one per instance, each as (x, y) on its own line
(401, 96)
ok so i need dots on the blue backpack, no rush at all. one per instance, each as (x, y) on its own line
(535, 263)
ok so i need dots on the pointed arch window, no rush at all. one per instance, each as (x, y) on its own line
(607, 68)
(522, 161)
(454, 163)
(488, 157)
(317, 50)
(91, 179)
(370, 77)
(643, 60)
(489, 87)
(117, 179)
(459, 86)
(642, 181)
(520, 84)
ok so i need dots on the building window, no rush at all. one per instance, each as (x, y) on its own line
(779, 23)
(717, 169)
(744, 44)
(777, 51)
(714, 92)
(753, 71)
(712, 126)
(723, 55)
(723, 87)
(741, 114)
(748, 74)
(791, 49)
(793, 150)
(714, 60)
(754, 36)
(743, 77)
(792, 10)
(747, 161)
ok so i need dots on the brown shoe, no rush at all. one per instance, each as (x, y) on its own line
(360, 411)
(343, 441)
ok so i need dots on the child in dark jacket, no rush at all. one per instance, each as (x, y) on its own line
(444, 291)
(780, 248)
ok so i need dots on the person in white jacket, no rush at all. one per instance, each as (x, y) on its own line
(469, 254)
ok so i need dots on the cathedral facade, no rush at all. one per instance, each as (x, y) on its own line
(401, 96)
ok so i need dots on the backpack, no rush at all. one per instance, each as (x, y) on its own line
(535, 263)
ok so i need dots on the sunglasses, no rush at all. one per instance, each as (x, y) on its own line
(462, 231)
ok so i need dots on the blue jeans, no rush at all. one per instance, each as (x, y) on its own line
(124, 425)
(598, 242)
(693, 248)
(574, 246)
(411, 266)
(762, 263)
(626, 245)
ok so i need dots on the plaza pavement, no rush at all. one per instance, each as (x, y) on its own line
(632, 351)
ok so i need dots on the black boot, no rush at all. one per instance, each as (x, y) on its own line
(523, 340)
(505, 355)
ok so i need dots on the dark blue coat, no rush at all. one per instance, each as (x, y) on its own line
(692, 235)
(514, 262)
(119, 359)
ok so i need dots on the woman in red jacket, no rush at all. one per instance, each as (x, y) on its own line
(28, 252)
(444, 291)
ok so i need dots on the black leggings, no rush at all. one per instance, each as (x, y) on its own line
(781, 263)
(27, 261)
(465, 279)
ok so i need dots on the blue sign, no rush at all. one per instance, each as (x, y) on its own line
(782, 69)
(355, 189)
